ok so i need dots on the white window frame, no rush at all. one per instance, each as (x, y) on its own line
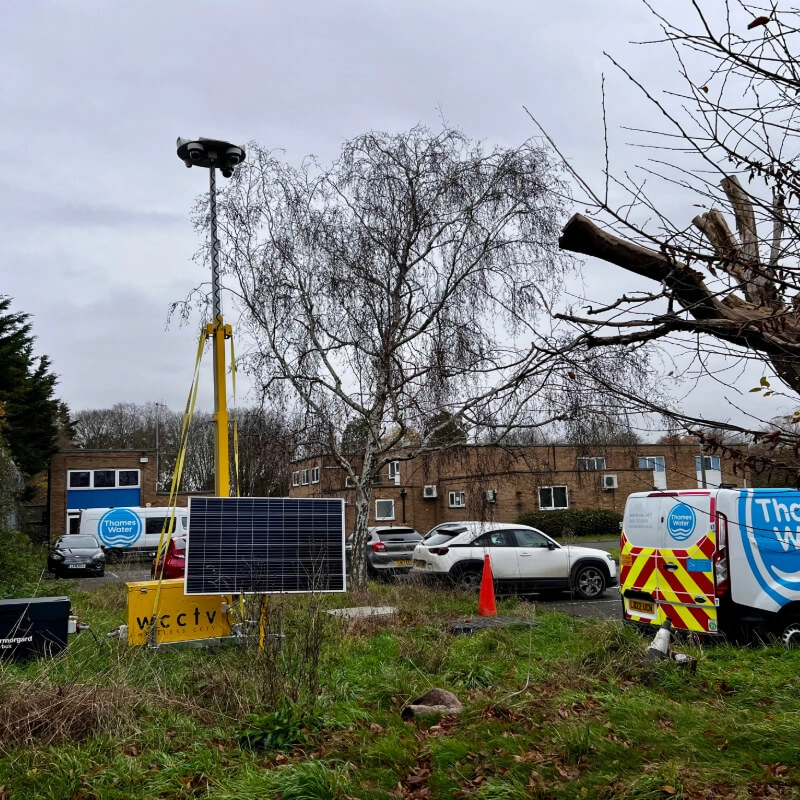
(552, 506)
(711, 463)
(394, 470)
(314, 474)
(653, 463)
(117, 484)
(296, 478)
(457, 499)
(387, 516)
(349, 483)
(304, 477)
(592, 464)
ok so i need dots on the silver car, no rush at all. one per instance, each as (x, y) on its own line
(389, 550)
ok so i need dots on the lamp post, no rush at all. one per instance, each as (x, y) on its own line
(216, 154)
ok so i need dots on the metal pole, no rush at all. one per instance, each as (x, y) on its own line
(212, 199)
(221, 466)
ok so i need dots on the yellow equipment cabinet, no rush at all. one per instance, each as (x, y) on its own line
(180, 618)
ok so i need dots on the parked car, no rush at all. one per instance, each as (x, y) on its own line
(77, 555)
(522, 559)
(173, 558)
(389, 550)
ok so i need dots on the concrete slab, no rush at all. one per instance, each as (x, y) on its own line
(363, 612)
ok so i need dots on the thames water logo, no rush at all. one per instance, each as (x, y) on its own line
(772, 542)
(681, 522)
(119, 527)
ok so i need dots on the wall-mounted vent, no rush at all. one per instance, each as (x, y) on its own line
(429, 492)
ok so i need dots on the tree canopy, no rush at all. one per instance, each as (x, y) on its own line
(723, 283)
(30, 413)
(404, 280)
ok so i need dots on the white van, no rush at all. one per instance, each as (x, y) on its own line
(132, 529)
(713, 561)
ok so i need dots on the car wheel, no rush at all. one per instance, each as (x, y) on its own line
(589, 582)
(469, 579)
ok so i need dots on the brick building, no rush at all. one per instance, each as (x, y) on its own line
(490, 482)
(101, 479)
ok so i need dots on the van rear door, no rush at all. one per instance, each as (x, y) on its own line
(638, 547)
(684, 562)
(666, 560)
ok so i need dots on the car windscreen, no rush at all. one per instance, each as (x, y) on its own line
(398, 535)
(443, 535)
(78, 541)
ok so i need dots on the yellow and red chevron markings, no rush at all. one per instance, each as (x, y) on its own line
(674, 591)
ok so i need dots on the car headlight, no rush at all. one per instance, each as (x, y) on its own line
(57, 556)
(98, 558)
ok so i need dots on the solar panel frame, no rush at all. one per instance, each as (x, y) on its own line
(265, 545)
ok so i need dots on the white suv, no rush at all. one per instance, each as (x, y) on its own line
(522, 559)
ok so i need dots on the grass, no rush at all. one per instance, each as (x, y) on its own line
(566, 709)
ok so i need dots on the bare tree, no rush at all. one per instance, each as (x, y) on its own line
(402, 281)
(267, 445)
(726, 285)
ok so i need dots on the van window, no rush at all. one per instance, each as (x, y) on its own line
(156, 524)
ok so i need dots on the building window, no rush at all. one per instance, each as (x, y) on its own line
(315, 475)
(349, 483)
(384, 509)
(128, 477)
(103, 478)
(394, 470)
(552, 497)
(304, 477)
(296, 478)
(591, 464)
(709, 462)
(80, 480)
(654, 463)
(457, 499)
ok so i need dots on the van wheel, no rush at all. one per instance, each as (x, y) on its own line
(589, 582)
(789, 633)
(113, 556)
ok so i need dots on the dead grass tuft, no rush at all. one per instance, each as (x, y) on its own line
(44, 715)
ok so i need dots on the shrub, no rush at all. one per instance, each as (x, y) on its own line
(21, 564)
(585, 522)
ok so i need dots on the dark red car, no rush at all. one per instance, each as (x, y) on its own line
(173, 562)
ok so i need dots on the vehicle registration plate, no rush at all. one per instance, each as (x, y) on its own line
(642, 606)
(405, 562)
(76, 566)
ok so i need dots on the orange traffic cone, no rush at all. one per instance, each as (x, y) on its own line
(486, 604)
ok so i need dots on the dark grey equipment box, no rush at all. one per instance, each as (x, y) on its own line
(33, 627)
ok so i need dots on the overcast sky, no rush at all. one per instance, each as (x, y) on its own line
(94, 203)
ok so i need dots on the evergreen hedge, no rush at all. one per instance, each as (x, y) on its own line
(585, 522)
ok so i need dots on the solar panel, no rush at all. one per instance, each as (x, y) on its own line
(239, 545)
